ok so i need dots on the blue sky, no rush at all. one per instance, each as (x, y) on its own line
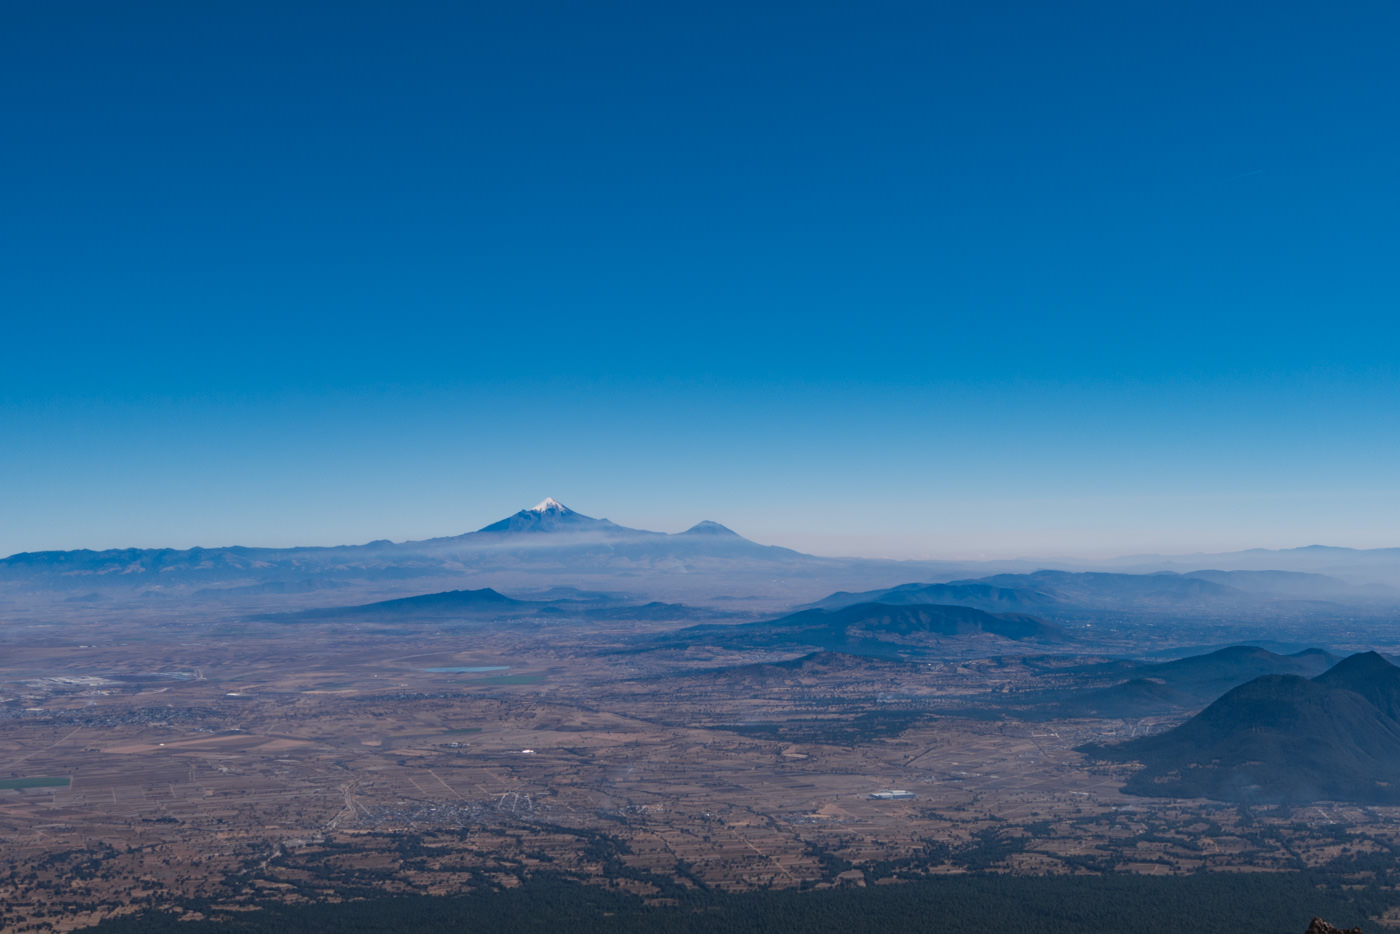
(941, 280)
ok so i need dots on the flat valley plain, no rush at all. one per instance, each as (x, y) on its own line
(206, 765)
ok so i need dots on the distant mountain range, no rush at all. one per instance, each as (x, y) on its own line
(548, 543)
(1282, 738)
(551, 545)
(548, 525)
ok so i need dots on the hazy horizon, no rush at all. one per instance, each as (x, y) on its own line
(829, 544)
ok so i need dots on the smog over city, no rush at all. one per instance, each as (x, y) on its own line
(993, 409)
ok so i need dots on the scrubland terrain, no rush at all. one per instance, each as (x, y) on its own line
(206, 765)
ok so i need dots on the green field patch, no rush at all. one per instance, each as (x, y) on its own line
(41, 781)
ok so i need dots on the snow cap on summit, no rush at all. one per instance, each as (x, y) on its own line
(549, 504)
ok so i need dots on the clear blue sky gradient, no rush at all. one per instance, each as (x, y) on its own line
(976, 279)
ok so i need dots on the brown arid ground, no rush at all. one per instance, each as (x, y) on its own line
(239, 763)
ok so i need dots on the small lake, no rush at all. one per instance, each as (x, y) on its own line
(462, 671)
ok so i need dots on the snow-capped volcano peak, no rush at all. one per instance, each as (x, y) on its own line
(548, 516)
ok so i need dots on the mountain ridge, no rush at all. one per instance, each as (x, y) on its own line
(871, 628)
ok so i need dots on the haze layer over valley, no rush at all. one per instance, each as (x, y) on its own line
(550, 545)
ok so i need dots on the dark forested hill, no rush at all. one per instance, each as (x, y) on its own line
(1282, 739)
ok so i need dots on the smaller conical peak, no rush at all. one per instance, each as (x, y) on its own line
(709, 528)
(549, 504)
(1360, 665)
